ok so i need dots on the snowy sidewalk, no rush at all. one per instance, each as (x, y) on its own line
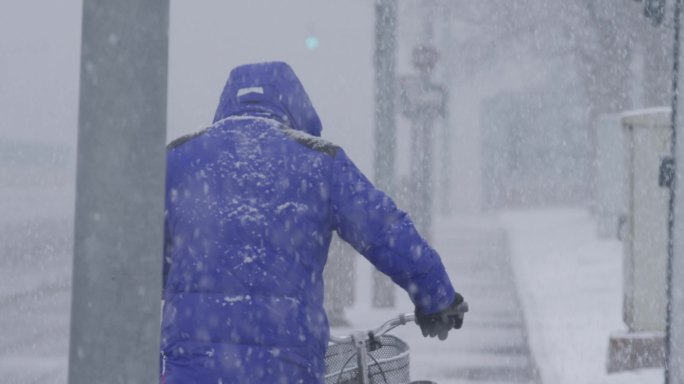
(35, 276)
(570, 284)
(492, 346)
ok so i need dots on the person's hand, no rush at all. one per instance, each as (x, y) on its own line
(440, 323)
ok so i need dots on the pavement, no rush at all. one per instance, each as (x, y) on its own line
(35, 277)
(35, 280)
(492, 347)
(571, 286)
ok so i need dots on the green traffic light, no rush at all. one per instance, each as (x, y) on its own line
(312, 42)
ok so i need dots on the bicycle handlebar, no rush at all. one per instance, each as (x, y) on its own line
(388, 326)
(379, 331)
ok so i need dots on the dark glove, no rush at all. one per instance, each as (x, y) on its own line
(440, 323)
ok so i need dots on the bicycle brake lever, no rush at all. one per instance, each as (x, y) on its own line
(373, 342)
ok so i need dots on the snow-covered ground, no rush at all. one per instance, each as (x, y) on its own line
(492, 347)
(567, 281)
(570, 284)
(36, 234)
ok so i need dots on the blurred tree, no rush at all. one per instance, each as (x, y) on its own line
(604, 42)
(605, 51)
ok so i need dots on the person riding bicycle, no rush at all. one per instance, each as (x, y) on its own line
(251, 205)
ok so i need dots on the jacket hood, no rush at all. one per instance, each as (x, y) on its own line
(270, 88)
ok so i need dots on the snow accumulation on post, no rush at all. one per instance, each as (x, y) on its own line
(385, 126)
(116, 293)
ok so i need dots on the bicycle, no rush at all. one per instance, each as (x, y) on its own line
(380, 358)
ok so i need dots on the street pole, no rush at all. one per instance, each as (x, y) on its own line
(421, 170)
(674, 348)
(385, 126)
(116, 288)
(447, 146)
(424, 59)
(423, 102)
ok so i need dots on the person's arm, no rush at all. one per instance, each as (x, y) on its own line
(370, 221)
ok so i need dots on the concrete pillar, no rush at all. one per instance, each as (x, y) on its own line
(116, 293)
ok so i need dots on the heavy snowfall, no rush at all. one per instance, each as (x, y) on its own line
(529, 141)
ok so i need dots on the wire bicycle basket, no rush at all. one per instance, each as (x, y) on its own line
(372, 357)
(388, 362)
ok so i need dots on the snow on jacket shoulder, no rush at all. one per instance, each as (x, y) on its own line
(251, 203)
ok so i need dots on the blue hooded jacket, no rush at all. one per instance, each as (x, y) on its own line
(251, 204)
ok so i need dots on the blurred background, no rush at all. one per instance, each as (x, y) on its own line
(520, 111)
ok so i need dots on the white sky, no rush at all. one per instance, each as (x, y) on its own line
(40, 48)
(209, 38)
(39, 68)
